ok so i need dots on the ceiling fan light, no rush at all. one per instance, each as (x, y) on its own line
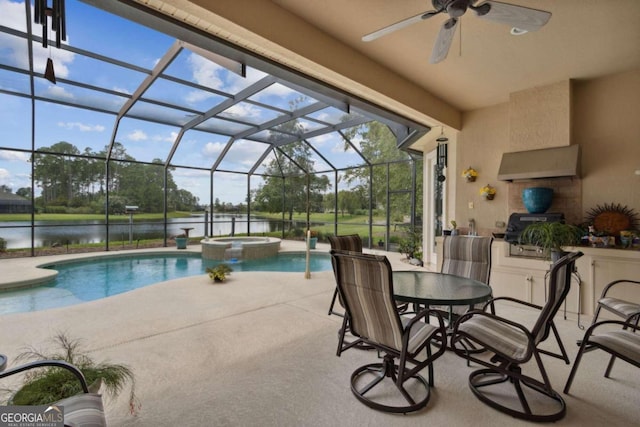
(517, 31)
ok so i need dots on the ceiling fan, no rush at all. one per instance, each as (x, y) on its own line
(522, 19)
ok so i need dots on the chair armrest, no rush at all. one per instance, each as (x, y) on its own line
(625, 325)
(42, 363)
(615, 282)
(528, 304)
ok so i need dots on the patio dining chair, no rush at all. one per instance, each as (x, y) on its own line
(614, 303)
(365, 285)
(500, 383)
(465, 256)
(84, 409)
(348, 242)
(621, 342)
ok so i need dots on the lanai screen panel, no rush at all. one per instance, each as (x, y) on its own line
(199, 149)
(15, 131)
(89, 131)
(145, 141)
(242, 155)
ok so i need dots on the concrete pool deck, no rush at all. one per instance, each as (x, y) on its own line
(259, 350)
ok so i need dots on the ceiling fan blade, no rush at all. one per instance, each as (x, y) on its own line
(398, 25)
(443, 42)
(520, 17)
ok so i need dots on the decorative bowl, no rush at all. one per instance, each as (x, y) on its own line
(537, 199)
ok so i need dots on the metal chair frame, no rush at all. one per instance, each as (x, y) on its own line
(503, 368)
(410, 363)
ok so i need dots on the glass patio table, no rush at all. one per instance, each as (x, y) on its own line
(427, 288)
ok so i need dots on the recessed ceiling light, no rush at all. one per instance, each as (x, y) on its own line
(517, 31)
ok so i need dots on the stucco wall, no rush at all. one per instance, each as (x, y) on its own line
(605, 123)
(607, 127)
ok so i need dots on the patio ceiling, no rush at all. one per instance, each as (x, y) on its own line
(199, 92)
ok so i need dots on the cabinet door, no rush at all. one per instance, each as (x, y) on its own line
(511, 283)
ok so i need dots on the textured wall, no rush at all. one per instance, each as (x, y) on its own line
(540, 117)
(605, 123)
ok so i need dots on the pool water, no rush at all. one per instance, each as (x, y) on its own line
(88, 280)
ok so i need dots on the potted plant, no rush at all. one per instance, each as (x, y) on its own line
(50, 384)
(181, 241)
(454, 227)
(219, 272)
(412, 243)
(313, 239)
(470, 174)
(551, 237)
(488, 192)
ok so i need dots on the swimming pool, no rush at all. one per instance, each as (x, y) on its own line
(87, 280)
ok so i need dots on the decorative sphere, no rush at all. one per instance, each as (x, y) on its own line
(537, 199)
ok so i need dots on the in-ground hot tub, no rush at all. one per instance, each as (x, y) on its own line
(221, 248)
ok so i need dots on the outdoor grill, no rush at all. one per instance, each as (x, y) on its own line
(516, 225)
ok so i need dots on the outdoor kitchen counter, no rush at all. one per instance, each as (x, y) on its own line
(524, 278)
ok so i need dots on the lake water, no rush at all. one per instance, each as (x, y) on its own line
(48, 233)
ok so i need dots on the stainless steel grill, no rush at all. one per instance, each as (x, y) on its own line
(516, 225)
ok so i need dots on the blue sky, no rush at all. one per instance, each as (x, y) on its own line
(96, 31)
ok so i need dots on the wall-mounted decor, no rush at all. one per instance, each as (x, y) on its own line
(470, 174)
(488, 192)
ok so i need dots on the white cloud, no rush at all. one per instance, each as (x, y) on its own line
(121, 90)
(14, 156)
(82, 127)
(137, 135)
(12, 15)
(213, 149)
(210, 74)
(171, 138)
(205, 72)
(245, 111)
(58, 92)
(4, 176)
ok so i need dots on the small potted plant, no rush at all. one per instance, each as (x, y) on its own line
(313, 239)
(49, 384)
(219, 272)
(181, 241)
(470, 174)
(454, 227)
(551, 237)
(488, 192)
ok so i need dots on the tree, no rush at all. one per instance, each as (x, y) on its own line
(24, 192)
(292, 168)
(378, 146)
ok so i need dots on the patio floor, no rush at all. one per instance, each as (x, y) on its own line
(259, 350)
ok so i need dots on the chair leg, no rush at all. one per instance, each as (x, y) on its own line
(333, 302)
(563, 353)
(583, 346)
(609, 366)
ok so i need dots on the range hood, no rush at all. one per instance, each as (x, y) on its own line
(553, 162)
